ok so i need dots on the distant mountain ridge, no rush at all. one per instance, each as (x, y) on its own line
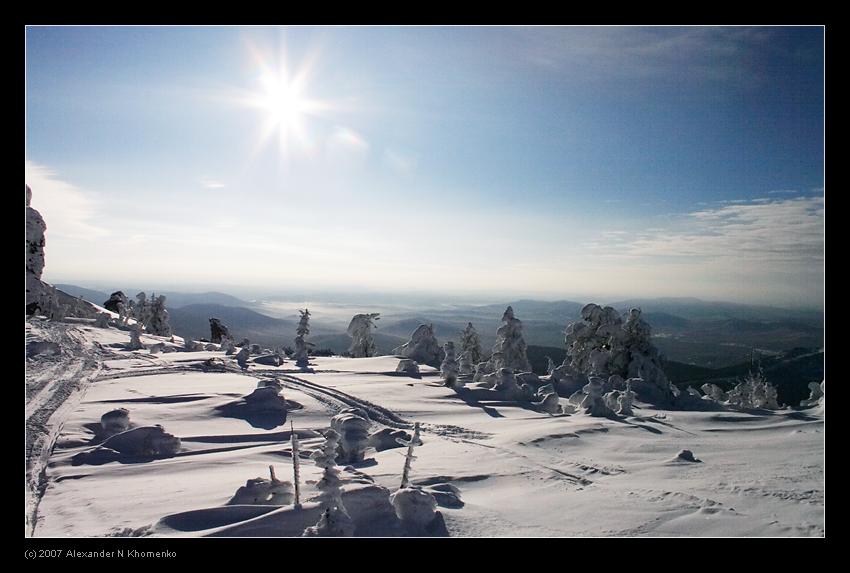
(173, 299)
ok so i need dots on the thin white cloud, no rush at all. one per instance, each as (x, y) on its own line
(210, 183)
(69, 211)
(758, 233)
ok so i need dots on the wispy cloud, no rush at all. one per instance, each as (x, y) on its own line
(210, 183)
(759, 233)
(706, 53)
(69, 211)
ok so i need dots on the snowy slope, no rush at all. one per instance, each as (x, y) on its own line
(519, 472)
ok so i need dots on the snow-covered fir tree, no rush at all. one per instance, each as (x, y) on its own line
(302, 330)
(470, 342)
(510, 348)
(335, 521)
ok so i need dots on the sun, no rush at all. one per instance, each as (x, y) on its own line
(282, 100)
(281, 95)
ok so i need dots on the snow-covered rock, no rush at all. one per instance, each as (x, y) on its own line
(414, 506)
(409, 367)
(353, 430)
(115, 421)
(143, 441)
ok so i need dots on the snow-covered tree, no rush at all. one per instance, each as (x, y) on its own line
(158, 317)
(303, 329)
(360, 330)
(335, 521)
(603, 344)
(422, 347)
(510, 348)
(449, 367)
(470, 342)
(218, 331)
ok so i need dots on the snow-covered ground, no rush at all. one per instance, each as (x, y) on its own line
(519, 472)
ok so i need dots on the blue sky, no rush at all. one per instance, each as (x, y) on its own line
(543, 161)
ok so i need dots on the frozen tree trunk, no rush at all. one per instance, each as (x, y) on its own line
(409, 457)
(296, 466)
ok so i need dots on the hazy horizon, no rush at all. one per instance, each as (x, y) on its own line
(549, 163)
(389, 297)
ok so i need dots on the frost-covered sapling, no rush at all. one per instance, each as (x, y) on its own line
(301, 331)
(335, 521)
(415, 507)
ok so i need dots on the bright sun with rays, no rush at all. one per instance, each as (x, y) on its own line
(283, 101)
(281, 96)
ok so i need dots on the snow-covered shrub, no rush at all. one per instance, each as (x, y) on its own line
(449, 367)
